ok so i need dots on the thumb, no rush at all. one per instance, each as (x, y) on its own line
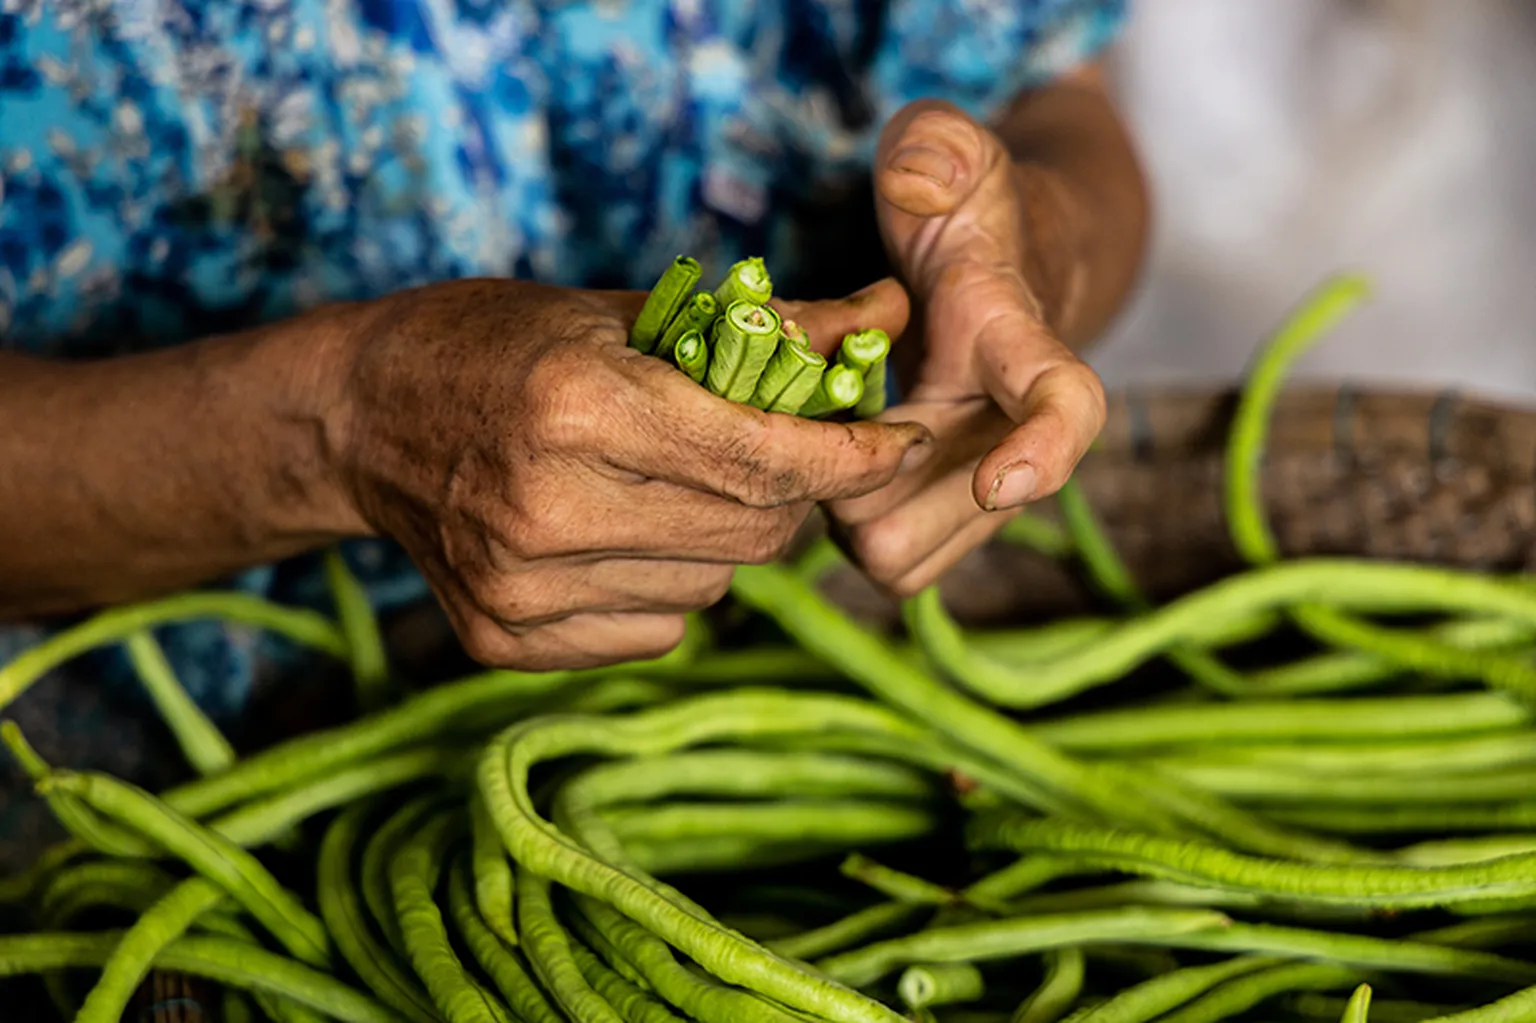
(931, 157)
(881, 306)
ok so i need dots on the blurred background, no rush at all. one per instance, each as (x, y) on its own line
(1289, 138)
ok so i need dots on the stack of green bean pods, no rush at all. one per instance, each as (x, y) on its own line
(1306, 792)
(733, 342)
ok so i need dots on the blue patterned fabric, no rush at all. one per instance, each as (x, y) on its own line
(174, 169)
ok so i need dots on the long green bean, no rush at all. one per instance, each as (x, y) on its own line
(306, 628)
(1242, 993)
(499, 961)
(130, 962)
(1518, 1006)
(1152, 998)
(663, 302)
(414, 871)
(1059, 988)
(226, 961)
(929, 984)
(365, 643)
(200, 740)
(341, 907)
(210, 854)
(1212, 866)
(1009, 938)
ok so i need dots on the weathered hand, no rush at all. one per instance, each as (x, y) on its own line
(567, 497)
(1011, 408)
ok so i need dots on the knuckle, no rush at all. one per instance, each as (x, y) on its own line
(570, 398)
(769, 537)
(516, 600)
(752, 476)
(886, 550)
(539, 526)
(488, 644)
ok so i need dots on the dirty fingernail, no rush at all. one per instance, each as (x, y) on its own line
(1014, 486)
(930, 163)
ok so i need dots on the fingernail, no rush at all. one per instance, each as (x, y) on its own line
(930, 163)
(916, 455)
(1014, 486)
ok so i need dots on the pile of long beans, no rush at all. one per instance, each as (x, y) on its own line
(1132, 816)
(733, 342)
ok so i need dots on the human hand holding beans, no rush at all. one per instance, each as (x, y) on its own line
(568, 498)
(1012, 409)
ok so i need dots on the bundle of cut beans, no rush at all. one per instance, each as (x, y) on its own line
(839, 825)
(731, 341)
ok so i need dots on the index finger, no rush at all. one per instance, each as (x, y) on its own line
(683, 434)
(1058, 404)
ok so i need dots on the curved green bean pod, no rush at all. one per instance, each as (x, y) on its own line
(1006, 939)
(1518, 1006)
(1367, 819)
(663, 301)
(1356, 950)
(1023, 875)
(721, 852)
(414, 871)
(1201, 864)
(89, 828)
(226, 961)
(830, 823)
(1350, 669)
(1433, 756)
(540, 848)
(1391, 718)
(1264, 784)
(492, 873)
(634, 1004)
(929, 984)
(1318, 313)
(1358, 1009)
(360, 626)
(895, 884)
(875, 922)
(341, 907)
(499, 961)
(304, 627)
(466, 704)
(378, 851)
(870, 661)
(215, 857)
(1113, 578)
(691, 353)
(743, 774)
(200, 740)
(1243, 993)
(264, 820)
(1343, 582)
(1062, 985)
(696, 316)
(167, 920)
(1331, 1008)
(144, 880)
(746, 281)
(702, 999)
(548, 947)
(1037, 533)
(1151, 998)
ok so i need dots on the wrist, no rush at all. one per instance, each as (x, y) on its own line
(297, 373)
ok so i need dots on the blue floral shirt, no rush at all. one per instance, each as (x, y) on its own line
(171, 169)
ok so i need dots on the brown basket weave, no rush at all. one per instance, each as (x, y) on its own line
(1418, 477)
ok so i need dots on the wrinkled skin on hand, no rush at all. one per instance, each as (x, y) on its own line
(567, 498)
(1011, 408)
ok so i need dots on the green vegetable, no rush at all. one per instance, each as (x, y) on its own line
(662, 304)
(746, 281)
(789, 380)
(692, 355)
(698, 314)
(866, 352)
(745, 339)
(932, 984)
(839, 388)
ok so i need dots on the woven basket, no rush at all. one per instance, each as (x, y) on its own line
(1415, 477)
